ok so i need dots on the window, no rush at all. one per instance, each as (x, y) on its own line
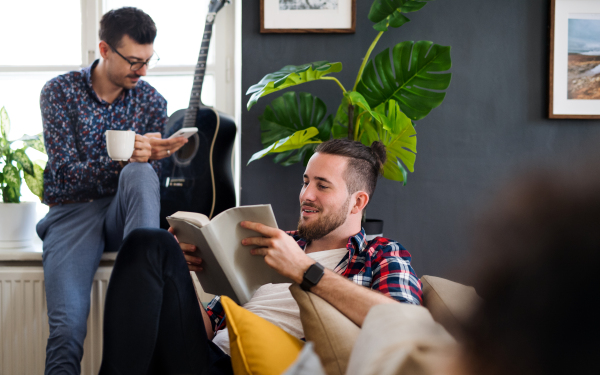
(62, 35)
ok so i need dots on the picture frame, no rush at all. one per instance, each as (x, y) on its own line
(574, 89)
(295, 16)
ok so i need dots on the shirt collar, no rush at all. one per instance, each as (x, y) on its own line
(358, 242)
(87, 73)
(87, 76)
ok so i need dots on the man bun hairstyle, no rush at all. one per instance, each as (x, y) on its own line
(365, 164)
(129, 21)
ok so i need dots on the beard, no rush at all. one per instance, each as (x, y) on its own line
(324, 225)
(121, 81)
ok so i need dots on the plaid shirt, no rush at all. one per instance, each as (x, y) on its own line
(380, 264)
(75, 120)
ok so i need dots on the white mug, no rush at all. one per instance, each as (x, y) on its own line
(120, 144)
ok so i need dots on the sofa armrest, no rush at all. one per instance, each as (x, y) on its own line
(331, 332)
(449, 303)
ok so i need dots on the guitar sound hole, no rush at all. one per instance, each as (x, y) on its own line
(185, 154)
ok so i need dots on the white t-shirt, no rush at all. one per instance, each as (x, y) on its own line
(275, 303)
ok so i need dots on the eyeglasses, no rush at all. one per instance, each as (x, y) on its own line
(150, 63)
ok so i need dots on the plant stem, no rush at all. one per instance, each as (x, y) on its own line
(356, 128)
(366, 58)
(350, 121)
(336, 80)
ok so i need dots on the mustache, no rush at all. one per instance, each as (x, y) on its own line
(310, 205)
(133, 76)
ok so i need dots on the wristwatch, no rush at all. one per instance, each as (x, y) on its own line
(312, 276)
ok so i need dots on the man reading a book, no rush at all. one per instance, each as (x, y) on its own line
(329, 255)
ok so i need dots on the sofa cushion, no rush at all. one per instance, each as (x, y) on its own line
(331, 332)
(402, 339)
(448, 302)
(258, 346)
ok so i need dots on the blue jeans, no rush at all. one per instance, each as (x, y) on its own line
(75, 236)
(152, 319)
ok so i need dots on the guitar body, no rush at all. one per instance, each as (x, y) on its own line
(199, 177)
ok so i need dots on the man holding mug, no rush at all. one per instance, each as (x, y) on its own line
(96, 201)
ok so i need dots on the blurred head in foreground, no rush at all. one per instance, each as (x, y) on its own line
(539, 278)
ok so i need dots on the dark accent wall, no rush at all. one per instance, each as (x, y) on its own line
(493, 121)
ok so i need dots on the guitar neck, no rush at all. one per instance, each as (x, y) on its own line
(199, 72)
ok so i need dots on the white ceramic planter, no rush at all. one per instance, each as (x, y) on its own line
(17, 224)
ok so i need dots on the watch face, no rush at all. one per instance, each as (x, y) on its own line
(314, 273)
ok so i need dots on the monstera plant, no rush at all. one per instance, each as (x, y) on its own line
(392, 91)
(16, 166)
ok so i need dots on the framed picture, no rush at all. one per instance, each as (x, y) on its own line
(575, 59)
(307, 16)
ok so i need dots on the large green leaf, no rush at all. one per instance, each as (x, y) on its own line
(4, 146)
(293, 142)
(35, 182)
(400, 137)
(393, 170)
(4, 123)
(357, 100)
(415, 81)
(290, 113)
(11, 192)
(303, 154)
(21, 157)
(36, 142)
(398, 134)
(11, 175)
(11, 195)
(390, 12)
(340, 121)
(290, 75)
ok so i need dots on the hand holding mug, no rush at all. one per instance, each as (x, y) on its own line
(142, 149)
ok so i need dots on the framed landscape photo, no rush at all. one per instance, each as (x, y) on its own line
(307, 16)
(575, 59)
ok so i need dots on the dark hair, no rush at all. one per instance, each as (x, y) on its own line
(127, 21)
(365, 164)
(539, 278)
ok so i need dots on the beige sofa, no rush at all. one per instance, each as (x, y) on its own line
(395, 339)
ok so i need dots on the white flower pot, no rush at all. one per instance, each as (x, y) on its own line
(17, 224)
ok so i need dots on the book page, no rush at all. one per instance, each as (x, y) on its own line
(251, 271)
(196, 218)
(212, 278)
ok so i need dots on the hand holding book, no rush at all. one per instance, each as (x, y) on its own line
(193, 261)
(215, 247)
(280, 250)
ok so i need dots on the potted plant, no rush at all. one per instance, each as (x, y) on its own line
(17, 218)
(390, 93)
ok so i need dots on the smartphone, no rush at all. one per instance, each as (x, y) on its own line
(184, 132)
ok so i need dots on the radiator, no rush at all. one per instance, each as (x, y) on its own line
(24, 321)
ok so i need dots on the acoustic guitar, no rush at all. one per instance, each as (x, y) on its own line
(199, 176)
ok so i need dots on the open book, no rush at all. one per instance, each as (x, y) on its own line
(228, 267)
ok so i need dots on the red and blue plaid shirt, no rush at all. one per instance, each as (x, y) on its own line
(380, 264)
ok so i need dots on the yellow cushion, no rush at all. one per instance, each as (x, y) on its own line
(257, 346)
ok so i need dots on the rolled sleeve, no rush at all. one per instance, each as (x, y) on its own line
(394, 276)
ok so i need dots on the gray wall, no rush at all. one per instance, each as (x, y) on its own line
(492, 122)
